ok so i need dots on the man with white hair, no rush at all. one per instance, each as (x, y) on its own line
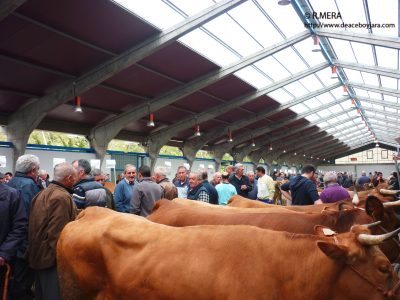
(333, 192)
(124, 190)
(26, 171)
(51, 210)
(363, 179)
(217, 178)
(160, 177)
(240, 181)
(196, 189)
(43, 178)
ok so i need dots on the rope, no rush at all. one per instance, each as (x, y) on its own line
(8, 269)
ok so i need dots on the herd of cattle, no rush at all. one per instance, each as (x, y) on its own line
(247, 250)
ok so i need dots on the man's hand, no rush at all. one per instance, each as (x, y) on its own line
(243, 187)
(2, 261)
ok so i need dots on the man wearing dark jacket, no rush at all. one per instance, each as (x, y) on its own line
(240, 181)
(13, 227)
(303, 191)
(27, 169)
(87, 192)
(212, 192)
(196, 189)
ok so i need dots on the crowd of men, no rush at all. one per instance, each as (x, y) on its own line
(34, 210)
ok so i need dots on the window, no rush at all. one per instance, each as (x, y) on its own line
(384, 154)
(370, 154)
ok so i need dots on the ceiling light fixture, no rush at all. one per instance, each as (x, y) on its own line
(230, 139)
(77, 102)
(253, 144)
(197, 130)
(150, 122)
(316, 47)
(344, 90)
(334, 73)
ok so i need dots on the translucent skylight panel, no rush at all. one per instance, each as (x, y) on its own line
(273, 68)
(366, 104)
(311, 82)
(329, 130)
(352, 13)
(378, 107)
(153, 11)
(374, 95)
(255, 23)
(253, 77)
(190, 7)
(389, 82)
(387, 57)
(390, 98)
(338, 92)
(353, 75)
(352, 114)
(384, 12)
(312, 103)
(361, 92)
(324, 113)
(299, 108)
(290, 60)
(208, 47)
(343, 117)
(280, 96)
(312, 118)
(324, 124)
(343, 50)
(370, 79)
(228, 31)
(325, 98)
(325, 76)
(296, 89)
(336, 108)
(346, 104)
(285, 17)
(363, 53)
(305, 49)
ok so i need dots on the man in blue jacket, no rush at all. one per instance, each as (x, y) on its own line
(13, 230)
(124, 190)
(26, 172)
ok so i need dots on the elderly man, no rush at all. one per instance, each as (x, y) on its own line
(212, 192)
(87, 192)
(146, 193)
(363, 179)
(303, 190)
(253, 181)
(100, 177)
(51, 210)
(216, 179)
(170, 190)
(26, 172)
(13, 229)
(124, 190)
(182, 181)
(333, 192)
(240, 181)
(43, 179)
(230, 170)
(197, 191)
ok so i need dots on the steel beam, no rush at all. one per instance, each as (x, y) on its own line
(394, 73)
(8, 6)
(376, 89)
(388, 113)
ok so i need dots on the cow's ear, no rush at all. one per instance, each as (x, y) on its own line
(336, 252)
(374, 208)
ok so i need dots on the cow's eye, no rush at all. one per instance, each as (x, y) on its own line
(384, 268)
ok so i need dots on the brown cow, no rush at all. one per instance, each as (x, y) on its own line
(239, 201)
(109, 255)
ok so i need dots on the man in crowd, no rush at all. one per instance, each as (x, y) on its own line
(253, 181)
(212, 192)
(303, 191)
(124, 190)
(182, 182)
(225, 190)
(146, 193)
(13, 231)
(160, 177)
(197, 191)
(51, 210)
(230, 170)
(363, 179)
(216, 179)
(240, 181)
(26, 171)
(87, 192)
(8, 176)
(100, 177)
(333, 192)
(43, 179)
(265, 186)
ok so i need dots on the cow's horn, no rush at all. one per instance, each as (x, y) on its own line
(369, 239)
(388, 192)
(371, 224)
(391, 203)
(355, 200)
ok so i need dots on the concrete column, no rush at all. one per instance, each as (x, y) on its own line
(190, 154)
(238, 156)
(153, 149)
(19, 136)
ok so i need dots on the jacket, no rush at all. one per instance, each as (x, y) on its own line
(51, 210)
(89, 192)
(170, 190)
(237, 183)
(303, 190)
(123, 196)
(212, 192)
(13, 222)
(193, 194)
(145, 195)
